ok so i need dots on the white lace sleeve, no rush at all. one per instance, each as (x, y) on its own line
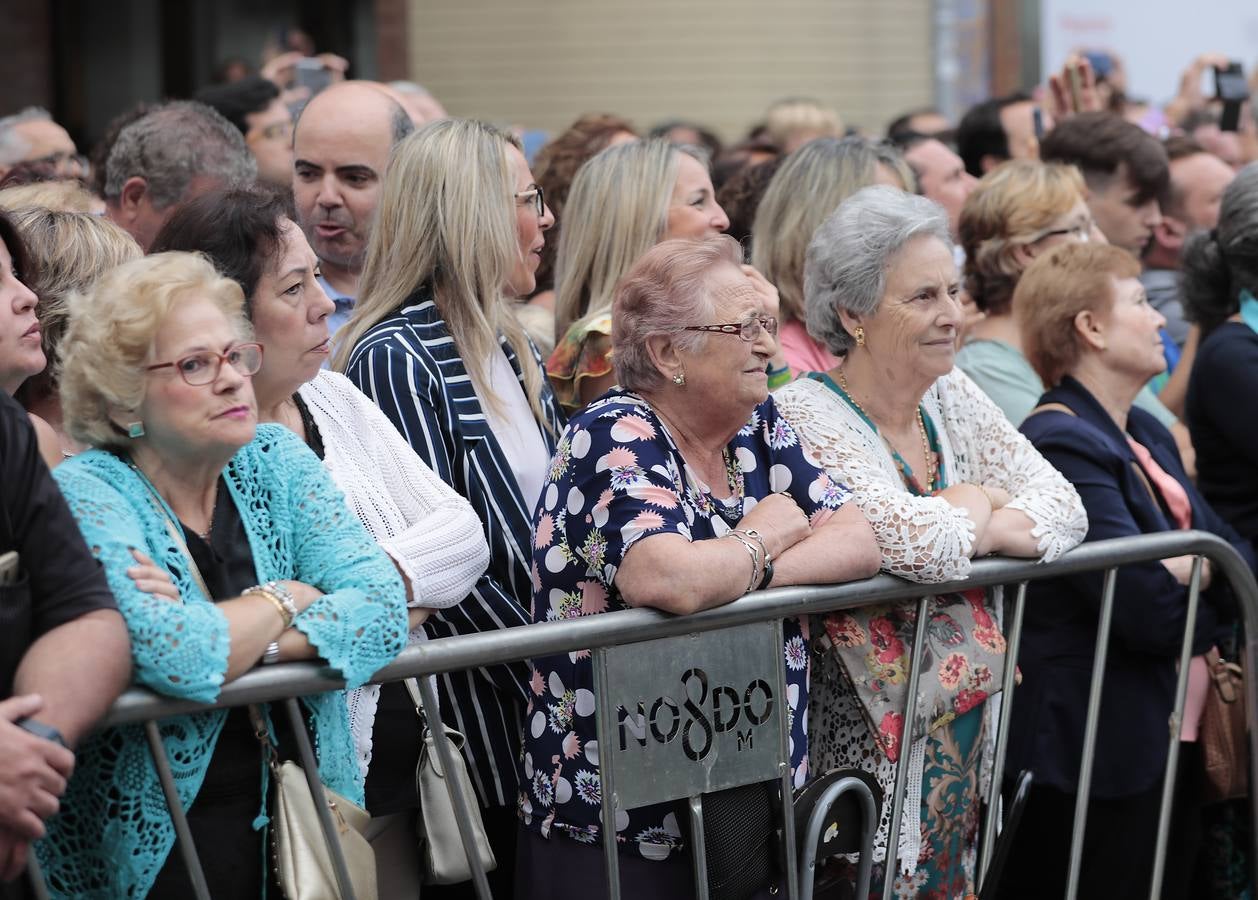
(989, 450)
(923, 539)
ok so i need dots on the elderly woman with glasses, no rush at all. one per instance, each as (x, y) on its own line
(227, 545)
(1018, 212)
(943, 477)
(681, 490)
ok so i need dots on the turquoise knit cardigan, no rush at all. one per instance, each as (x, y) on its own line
(114, 832)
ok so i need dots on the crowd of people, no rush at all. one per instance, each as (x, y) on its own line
(317, 385)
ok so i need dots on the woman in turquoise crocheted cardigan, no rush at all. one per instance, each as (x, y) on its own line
(186, 496)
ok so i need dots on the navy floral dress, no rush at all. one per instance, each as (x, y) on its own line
(617, 476)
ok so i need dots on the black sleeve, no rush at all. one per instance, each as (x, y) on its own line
(59, 579)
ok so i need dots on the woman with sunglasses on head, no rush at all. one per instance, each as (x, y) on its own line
(434, 343)
(227, 546)
(681, 490)
(1018, 212)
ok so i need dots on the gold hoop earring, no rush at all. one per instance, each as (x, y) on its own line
(859, 334)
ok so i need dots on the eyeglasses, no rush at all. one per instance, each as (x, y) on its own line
(1081, 232)
(203, 368)
(748, 331)
(535, 194)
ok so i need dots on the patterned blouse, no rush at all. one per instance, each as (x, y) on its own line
(617, 476)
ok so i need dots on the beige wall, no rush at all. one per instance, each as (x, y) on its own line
(541, 63)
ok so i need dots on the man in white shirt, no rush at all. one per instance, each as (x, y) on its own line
(341, 147)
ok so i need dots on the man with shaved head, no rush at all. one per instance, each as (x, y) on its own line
(341, 147)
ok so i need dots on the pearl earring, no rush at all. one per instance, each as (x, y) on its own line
(679, 378)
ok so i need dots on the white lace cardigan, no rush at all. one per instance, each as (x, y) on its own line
(429, 530)
(924, 539)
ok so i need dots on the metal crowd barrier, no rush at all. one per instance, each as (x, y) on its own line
(604, 634)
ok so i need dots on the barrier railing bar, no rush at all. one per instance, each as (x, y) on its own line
(906, 751)
(564, 636)
(311, 769)
(183, 834)
(694, 806)
(471, 651)
(1012, 647)
(462, 805)
(789, 837)
(869, 824)
(1092, 725)
(1177, 719)
(607, 788)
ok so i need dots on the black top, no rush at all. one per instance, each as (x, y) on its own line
(1224, 429)
(314, 440)
(58, 579)
(226, 565)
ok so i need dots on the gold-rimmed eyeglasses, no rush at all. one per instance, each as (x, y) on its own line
(748, 330)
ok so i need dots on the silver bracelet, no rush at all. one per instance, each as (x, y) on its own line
(756, 566)
(272, 654)
(280, 590)
(759, 539)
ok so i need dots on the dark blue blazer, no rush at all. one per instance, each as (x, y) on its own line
(1150, 609)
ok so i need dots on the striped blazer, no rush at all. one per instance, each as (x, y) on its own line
(408, 364)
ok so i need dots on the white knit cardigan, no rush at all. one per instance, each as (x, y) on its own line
(431, 532)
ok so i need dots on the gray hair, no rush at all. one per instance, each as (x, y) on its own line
(173, 144)
(848, 257)
(1218, 264)
(14, 147)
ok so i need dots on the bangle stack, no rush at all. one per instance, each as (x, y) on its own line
(278, 594)
(761, 561)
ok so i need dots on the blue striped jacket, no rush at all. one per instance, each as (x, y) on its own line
(408, 364)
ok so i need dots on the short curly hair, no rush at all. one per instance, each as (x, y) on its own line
(110, 337)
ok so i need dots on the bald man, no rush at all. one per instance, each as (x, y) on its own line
(341, 146)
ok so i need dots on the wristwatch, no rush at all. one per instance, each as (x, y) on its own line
(41, 729)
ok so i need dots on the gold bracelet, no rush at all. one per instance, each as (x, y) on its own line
(262, 591)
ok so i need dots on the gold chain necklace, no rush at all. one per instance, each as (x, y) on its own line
(921, 428)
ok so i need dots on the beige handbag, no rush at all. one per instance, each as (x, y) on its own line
(303, 865)
(441, 846)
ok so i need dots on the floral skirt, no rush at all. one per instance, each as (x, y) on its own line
(950, 787)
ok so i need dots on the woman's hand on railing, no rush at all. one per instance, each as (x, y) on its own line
(1180, 568)
(151, 578)
(780, 521)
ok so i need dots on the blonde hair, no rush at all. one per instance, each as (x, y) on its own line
(70, 250)
(110, 336)
(616, 211)
(447, 219)
(62, 195)
(1008, 208)
(808, 187)
(790, 118)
